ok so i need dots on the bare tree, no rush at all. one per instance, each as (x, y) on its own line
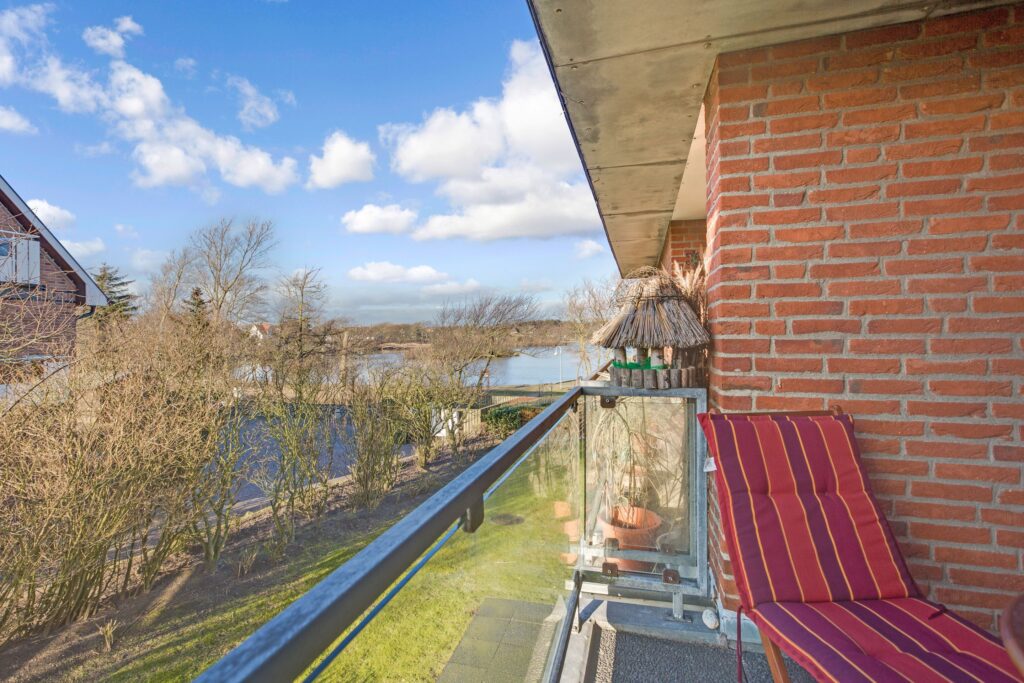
(588, 305)
(229, 264)
(169, 286)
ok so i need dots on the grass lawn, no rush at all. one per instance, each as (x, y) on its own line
(516, 554)
(192, 619)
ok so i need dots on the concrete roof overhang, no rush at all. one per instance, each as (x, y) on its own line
(632, 74)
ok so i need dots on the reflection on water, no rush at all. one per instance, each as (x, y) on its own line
(534, 365)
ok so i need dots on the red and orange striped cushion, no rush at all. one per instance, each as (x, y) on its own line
(798, 509)
(907, 639)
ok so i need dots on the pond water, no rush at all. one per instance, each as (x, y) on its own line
(534, 365)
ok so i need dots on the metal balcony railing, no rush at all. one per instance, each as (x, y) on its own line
(605, 485)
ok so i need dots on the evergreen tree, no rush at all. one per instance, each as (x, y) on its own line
(117, 288)
(197, 309)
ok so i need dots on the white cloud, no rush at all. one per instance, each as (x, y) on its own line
(385, 271)
(559, 208)
(372, 219)
(343, 160)
(169, 147)
(19, 27)
(588, 248)
(99, 149)
(258, 110)
(13, 122)
(453, 288)
(53, 216)
(186, 66)
(447, 144)
(126, 231)
(288, 97)
(147, 260)
(83, 250)
(507, 167)
(127, 26)
(110, 41)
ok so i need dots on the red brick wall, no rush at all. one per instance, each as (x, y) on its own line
(866, 249)
(59, 288)
(684, 243)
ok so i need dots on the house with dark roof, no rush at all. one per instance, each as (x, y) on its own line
(43, 289)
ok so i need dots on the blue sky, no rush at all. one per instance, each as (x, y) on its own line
(411, 151)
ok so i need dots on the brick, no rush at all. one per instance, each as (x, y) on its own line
(964, 366)
(917, 71)
(971, 430)
(886, 346)
(931, 148)
(859, 58)
(947, 285)
(799, 124)
(861, 212)
(844, 270)
(946, 246)
(901, 306)
(810, 160)
(970, 346)
(786, 216)
(863, 249)
(920, 49)
(946, 225)
(930, 207)
(963, 105)
(924, 266)
(787, 180)
(863, 136)
(967, 492)
(775, 70)
(979, 558)
(794, 105)
(859, 97)
(943, 511)
(861, 175)
(788, 143)
(826, 325)
(772, 364)
(970, 388)
(885, 229)
(808, 346)
(923, 187)
(884, 386)
(843, 195)
(798, 385)
(842, 80)
(999, 304)
(874, 115)
(949, 532)
(905, 326)
(997, 264)
(941, 87)
(957, 167)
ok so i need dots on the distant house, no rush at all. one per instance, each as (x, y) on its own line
(42, 286)
(261, 331)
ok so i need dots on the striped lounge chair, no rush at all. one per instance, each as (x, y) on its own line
(816, 564)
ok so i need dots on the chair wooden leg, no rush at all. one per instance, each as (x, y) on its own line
(775, 662)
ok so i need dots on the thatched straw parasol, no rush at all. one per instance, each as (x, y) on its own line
(653, 314)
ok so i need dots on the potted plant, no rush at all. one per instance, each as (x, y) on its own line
(628, 455)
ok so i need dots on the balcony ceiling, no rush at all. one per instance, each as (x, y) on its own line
(632, 76)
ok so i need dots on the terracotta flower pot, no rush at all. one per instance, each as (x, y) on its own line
(635, 528)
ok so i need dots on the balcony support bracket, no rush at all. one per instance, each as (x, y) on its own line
(473, 517)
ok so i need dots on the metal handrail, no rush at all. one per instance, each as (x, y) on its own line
(284, 647)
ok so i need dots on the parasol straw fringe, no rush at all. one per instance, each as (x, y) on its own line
(652, 314)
